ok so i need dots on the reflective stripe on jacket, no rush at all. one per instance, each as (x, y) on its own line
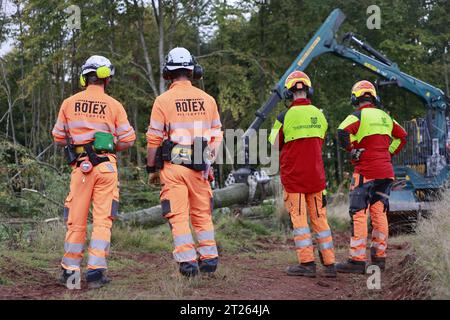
(90, 111)
(182, 113)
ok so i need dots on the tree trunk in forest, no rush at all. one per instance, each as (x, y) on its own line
(137, 143)
(148, 64)
(159, 15)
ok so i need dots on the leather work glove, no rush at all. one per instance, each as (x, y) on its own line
(153, 179)
(356, 154)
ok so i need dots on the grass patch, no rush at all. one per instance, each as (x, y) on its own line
(338, 224)
(142, 240)
(236, 234)
(431, 251)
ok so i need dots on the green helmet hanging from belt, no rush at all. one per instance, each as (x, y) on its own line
(305, 121)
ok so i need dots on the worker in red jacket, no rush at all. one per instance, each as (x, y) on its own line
(372, 137)
(300, 131)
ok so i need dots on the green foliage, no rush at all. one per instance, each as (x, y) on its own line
(244, 48)
(28, 174)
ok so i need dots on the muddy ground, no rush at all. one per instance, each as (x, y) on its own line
(247, 275)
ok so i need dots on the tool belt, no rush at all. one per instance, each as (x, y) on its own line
(103, 144)
(75, 152)
(184, 155)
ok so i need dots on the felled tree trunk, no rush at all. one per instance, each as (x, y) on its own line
(237, 194)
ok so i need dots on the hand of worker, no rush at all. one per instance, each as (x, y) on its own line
(356, 153)
(211, 177)
(153, 179)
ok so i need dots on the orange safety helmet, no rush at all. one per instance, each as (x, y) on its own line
(298, 80)
(362, 88)
(296, 77)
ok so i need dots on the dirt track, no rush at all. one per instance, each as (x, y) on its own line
(245, 276)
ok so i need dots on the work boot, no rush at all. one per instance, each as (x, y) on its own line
(208, 266)
(97, 278)
(351, 266)
(378, 261)
(189, 269)
(330, 271)
(65, 275)
(304, 270)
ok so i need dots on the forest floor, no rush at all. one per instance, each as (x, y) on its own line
(257, 274)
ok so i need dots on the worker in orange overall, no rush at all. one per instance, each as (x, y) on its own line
(299, 132)
(183, 137)
(91, 126)
(372, 137)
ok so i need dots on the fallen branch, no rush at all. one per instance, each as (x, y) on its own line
(39, 162)
(44, 196)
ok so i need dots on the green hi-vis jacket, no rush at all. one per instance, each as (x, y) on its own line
(304, 121)
(372, 121)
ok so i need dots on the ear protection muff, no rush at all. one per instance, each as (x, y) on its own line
(354, 100)
(197, 73)
(102, 72)
(377, 101)
(82, 80)
(166, 73)
(289, 95)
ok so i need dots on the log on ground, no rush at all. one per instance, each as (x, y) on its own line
(237, 194)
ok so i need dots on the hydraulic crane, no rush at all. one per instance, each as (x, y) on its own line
(425, 171)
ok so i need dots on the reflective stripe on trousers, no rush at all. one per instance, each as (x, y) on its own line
(301, 231)
(356, 243)
(322, 235)
(72, 263)
(100, 245)
(303, 243)
(97, 261)
(185, 256)
(208, 250)
(73, 247)
(358, 253)
(205, 236)
(378, 246)
(183, 239)
(378, 234)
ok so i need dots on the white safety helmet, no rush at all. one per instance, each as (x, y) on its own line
(179, 58)
(94, 63)
(102, 67)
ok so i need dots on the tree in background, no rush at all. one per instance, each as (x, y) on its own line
(243, 45)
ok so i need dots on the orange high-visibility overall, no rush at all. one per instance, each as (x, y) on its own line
(80, 116)
(180, 114)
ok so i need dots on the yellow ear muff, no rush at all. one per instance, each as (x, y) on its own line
(103, 72)
(82, 81)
